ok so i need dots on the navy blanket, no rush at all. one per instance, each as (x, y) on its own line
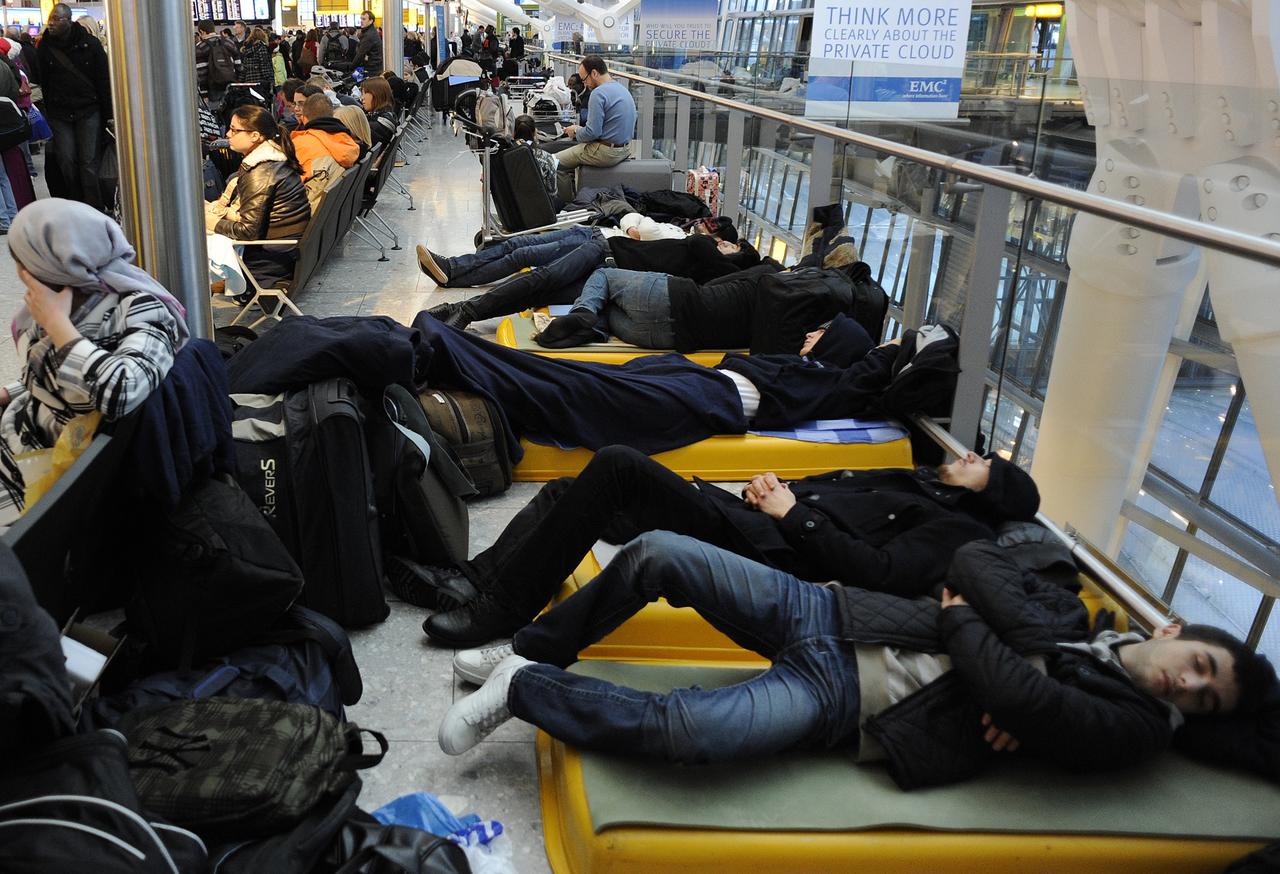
(653, 404)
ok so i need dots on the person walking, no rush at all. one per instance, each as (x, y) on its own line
(77, 101)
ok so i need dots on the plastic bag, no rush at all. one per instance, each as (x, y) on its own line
(422, 810)
(488, 848)
(75, 438)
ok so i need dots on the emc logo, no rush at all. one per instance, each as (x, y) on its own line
(927, 86)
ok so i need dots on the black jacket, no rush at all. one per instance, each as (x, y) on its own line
(369, 51)
(382, 127)
(1079, 714)
(760, 308)
(695, 257)
(888, 530)
(795, 389)
(69, 93)
(271, 201)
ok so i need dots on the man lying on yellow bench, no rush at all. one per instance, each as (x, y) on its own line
(936, 690)
(894, 530)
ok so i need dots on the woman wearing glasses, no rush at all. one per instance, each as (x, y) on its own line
(265, 200)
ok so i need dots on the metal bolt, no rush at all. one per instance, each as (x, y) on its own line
(1213, 213)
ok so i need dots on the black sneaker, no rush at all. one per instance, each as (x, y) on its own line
(430, 263)
(424, 585)
(577, 328)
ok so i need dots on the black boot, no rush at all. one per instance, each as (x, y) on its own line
(577, 328)
(478, 621)
(453, 315)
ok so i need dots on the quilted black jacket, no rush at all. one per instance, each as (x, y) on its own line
(1078, 715)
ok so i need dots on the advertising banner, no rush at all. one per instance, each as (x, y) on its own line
(680, 24)
(567, 26)
(438, 20)
(886, 58)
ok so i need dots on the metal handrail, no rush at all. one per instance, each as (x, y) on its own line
(1126, 593)
(1190, 230)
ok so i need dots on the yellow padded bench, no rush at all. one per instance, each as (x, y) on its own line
(516, 332)
(729, 457)
(799, 813)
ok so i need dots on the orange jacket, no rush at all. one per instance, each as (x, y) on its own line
(312, 143)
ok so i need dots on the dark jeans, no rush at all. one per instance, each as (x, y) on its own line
(809, 697)
(635, 307)
(619, 494)
(503, 259)
(76, 147)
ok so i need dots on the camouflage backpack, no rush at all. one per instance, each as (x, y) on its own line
(239, 768)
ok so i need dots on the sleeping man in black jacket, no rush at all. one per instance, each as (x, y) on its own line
(890, 530)
(935, 690)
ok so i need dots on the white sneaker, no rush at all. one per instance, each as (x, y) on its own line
(473, 718)
(475, 665)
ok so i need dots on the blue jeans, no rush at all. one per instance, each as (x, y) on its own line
(635, 306)
(8, 205)
(527, 250)
(76, 149)
(809, 697)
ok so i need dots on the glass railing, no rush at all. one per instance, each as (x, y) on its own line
(974, 225)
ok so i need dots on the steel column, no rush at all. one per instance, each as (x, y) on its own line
(647, 103)
(683, 107)
(393, 36)
(991, 227)
(732, 177)
(820, 174)
(915, 294)
(158, 146)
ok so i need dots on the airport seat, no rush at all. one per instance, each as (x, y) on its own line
(729, 458)
(806, 811)
(642, 174)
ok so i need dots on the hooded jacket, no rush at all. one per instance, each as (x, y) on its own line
(761, 307)
(889, 380)
(83, 83)
(325, 136)
(695, 257)
(1076, 714)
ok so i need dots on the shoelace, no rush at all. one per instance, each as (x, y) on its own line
(486, 721)
(491, 655)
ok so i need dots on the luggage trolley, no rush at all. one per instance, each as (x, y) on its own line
(513, 201)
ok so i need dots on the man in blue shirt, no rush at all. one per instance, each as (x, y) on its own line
(605, 140)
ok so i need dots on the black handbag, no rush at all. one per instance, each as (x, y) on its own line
(366, 846)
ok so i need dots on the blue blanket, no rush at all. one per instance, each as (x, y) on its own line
(841, 431)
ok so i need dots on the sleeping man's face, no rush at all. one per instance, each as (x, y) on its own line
(811, 339)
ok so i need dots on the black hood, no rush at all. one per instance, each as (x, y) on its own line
(844, 343)
(329, 124)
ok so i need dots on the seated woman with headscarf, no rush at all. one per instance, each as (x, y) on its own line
(96, 332)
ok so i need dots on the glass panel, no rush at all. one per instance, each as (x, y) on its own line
(1192, 421)
(1214, 597)
(1146, 556)
(1244, 486)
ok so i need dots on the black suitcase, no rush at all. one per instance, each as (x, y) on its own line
(303, 459)
(518, 192)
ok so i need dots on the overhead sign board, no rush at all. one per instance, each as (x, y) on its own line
(679, 24)
(886, 58)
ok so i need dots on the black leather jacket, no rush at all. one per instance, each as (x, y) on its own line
(1078, 714)
(271, 202)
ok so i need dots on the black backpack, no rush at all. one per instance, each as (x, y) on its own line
(421, 486)
(303, 458)
(476, 433)
(222, 63)
(69, 806)
(217, 578)
(238, 768)
(870, 301)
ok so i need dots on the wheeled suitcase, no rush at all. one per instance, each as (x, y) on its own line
(518, 193)
(302, 457)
